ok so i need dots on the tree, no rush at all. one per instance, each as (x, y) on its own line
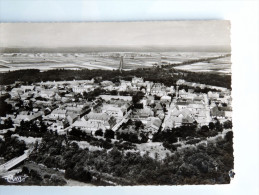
(204, 128)
(187, 170)
(74, 146)
(76, 132)
(227, 124)
(157, 97)
(211, 125)
(99, 132)
(114, 92)
(229, 136)
(109, 134)
(224, 104)
(133, 138)
(43, 127)
(138, 96)
(8, 123)
(5, 108)
(218, 126)
(138, 124)
(85, 95)
(144, 138)
(36, 145)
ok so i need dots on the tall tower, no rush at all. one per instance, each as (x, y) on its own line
(121, 64)
(159, 61)
(177, 92)
(148, 89)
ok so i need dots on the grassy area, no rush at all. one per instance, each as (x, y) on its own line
(155, 150)
(27, 140)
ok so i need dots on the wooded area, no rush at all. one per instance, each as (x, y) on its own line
(157, 74)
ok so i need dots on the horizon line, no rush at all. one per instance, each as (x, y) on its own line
(134, 48)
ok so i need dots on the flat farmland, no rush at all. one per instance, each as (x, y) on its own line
(111, 60)
(221, 66)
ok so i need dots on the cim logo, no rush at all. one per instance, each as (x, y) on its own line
(14, 179)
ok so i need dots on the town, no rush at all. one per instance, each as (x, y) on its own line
(136, 115)
(90, 106)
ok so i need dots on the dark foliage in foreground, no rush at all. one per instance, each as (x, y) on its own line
(40, 175)
(200, 165)
(11, 147)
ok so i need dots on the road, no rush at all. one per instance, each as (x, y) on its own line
(116, 127)
(11, 163)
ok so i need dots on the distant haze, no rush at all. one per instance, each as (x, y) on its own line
(116, 36)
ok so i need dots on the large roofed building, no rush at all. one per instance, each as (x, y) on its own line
(101, 118)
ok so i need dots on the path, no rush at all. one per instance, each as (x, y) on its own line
(11, 163)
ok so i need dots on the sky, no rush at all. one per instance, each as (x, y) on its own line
(109, 34)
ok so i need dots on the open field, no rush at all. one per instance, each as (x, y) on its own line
(222, 65)
(111, 60)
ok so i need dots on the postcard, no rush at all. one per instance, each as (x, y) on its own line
(116, 103)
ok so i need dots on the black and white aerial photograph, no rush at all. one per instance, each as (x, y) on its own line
(116, 103)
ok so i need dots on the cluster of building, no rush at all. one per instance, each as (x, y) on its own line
(161, 107)
(54, 103)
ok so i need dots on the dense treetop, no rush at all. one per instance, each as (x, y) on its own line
(157, 74)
